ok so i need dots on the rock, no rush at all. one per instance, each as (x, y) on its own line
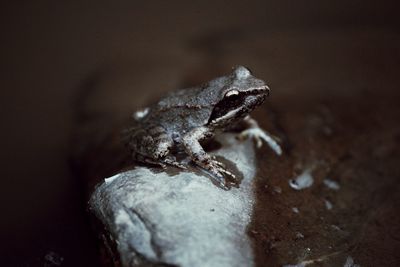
(181, 219)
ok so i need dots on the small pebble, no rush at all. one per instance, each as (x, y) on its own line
(299, 235)
(302, 181)
(53, 259)
(331, 184)
(277, 189)
(328, 204)
(350, 262)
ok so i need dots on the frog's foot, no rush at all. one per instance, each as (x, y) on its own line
(259, 135)
(160, 162)
(150, 161)
(202, 159)
(171, 161)
(218, 171)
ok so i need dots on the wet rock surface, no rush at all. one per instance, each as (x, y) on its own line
(325, 223)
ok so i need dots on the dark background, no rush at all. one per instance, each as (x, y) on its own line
(49, 47)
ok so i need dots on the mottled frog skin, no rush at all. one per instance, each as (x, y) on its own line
(179, 121)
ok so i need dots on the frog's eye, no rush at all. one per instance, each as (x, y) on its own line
(232, 93)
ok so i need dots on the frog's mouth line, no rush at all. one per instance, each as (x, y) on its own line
(228, 115)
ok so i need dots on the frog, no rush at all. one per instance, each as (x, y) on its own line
(179, 122)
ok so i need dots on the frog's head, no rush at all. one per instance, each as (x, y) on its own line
(241, 93)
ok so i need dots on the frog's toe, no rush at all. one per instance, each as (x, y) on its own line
(220, 178)
(220, 168)
(174, 163)
(259, 135)
(218, 163)
(179, 166)
(223, 173)
(227, 173)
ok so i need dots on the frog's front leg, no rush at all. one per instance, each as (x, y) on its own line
(255, 132)
(191, 143)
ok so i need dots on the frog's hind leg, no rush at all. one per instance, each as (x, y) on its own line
(147, 160)
(153, 147)
(161, 162)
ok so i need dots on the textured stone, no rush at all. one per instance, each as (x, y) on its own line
(180, 219)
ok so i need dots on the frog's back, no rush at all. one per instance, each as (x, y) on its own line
(185, 109)
(205, 95)
(181, 110)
